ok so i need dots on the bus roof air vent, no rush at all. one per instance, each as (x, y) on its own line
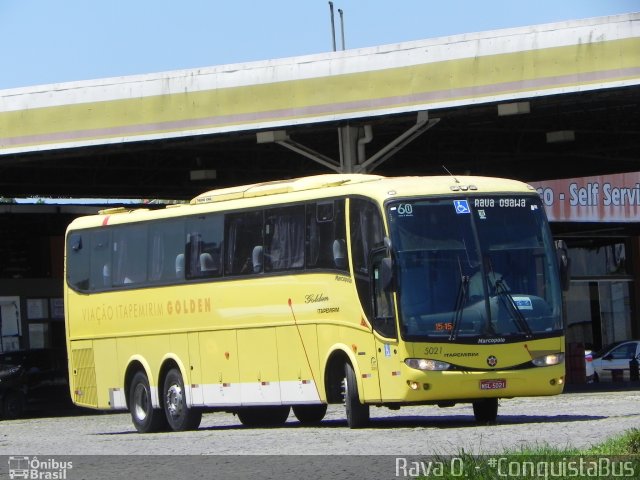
(114, 210)
(281, 186)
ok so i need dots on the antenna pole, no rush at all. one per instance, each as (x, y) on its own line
(333, 26)
(452, 176)
(342, 26)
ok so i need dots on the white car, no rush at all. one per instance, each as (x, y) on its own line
(612, 362)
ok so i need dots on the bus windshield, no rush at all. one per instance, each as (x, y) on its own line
(474, 269)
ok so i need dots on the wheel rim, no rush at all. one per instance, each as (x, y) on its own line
(345, 390)
(141, 402)
(175, 400)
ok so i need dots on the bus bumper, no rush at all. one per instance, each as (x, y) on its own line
(459, 385)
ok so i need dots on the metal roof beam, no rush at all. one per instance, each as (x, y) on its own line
(423, 123)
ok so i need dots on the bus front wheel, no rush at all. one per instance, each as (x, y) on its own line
(179, 415)
(357, 413)
(145, 418)
(486, 411)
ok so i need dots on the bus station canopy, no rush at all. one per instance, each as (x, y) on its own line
(525, 102)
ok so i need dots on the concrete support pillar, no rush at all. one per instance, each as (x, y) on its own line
(348, 145)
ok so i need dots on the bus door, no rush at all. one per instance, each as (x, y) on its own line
(383, 316)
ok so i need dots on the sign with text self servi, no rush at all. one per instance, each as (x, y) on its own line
(603, 198)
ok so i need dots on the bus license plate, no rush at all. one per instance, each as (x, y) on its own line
(493, 384)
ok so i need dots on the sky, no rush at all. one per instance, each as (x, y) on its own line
(46, 41)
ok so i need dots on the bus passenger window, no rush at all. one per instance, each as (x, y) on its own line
(326, 235)
(284, 238)
(243, 232)
(129, 263)
(78, 261)
(204, 246)
(100, 258)
(166, 243)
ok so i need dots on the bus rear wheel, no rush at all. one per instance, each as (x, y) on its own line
(179, 416)
(145, 418)
(309, 414)
(357, 413)
(486, 411)
(264, 416)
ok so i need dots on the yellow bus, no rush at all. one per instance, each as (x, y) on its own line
(346, 289)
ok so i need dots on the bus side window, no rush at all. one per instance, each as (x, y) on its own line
(100, 260)
(156, 257)
(129, 261)
(366, 234)
(326, 235)
(78, 261)
(166, 243)
(284, 239)
(204, 246)
(243, 232)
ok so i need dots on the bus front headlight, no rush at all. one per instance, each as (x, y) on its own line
(426, 364)
(548, 360)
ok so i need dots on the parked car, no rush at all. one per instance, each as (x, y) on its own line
(611, 361)
(32, 378)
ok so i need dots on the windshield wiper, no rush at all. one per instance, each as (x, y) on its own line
(516, 314)
(461, 298)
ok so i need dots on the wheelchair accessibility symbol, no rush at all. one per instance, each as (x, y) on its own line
(462, 206)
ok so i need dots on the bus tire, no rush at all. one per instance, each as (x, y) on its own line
(309, 414)
(357, 413)
(12, 405)
(179, 416)
(145, 418)
(486, 411)
(264, 416)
